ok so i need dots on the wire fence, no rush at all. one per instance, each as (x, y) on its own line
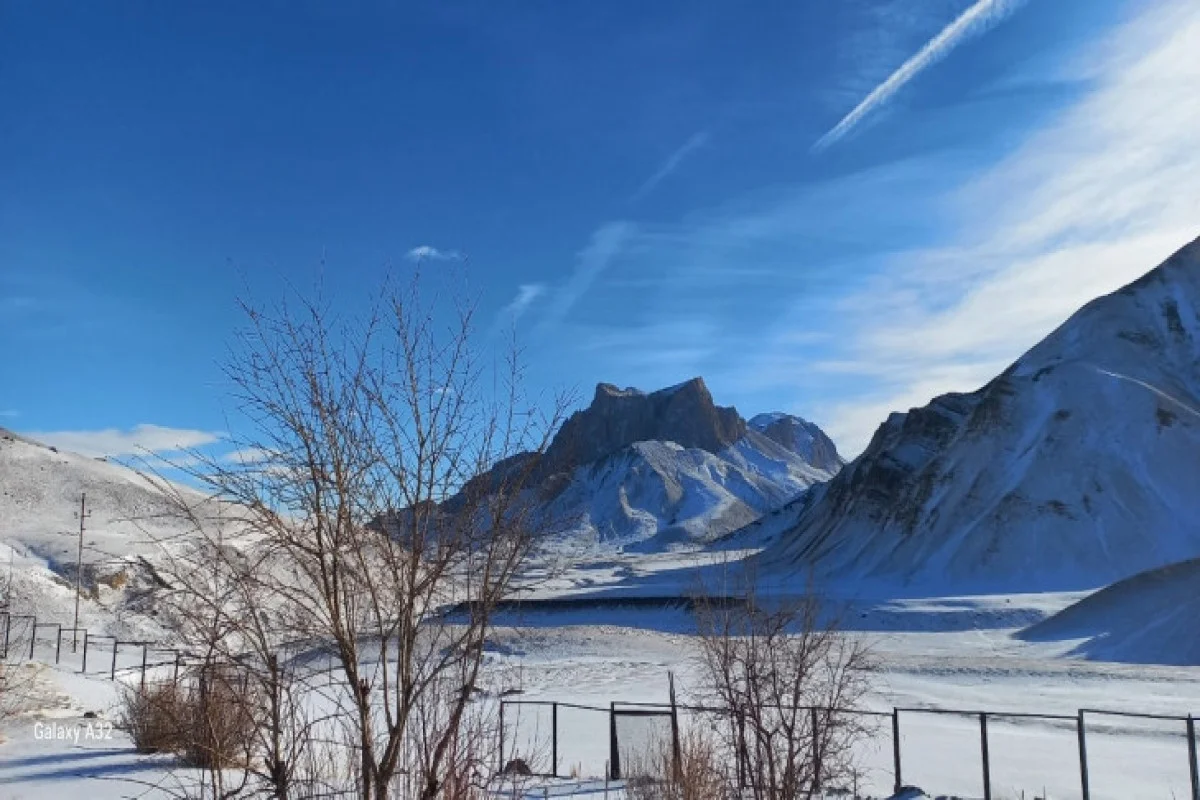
(907, 749)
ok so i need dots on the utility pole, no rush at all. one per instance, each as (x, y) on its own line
(79, 570)
(12, 554)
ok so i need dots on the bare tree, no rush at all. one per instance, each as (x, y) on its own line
(358, 547)
(787, 683)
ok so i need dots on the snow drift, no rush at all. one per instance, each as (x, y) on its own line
(1151, 618)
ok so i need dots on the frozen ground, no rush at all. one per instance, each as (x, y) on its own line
(947, 653)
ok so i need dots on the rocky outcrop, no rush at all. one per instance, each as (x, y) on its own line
(617, 418)
(801, 437)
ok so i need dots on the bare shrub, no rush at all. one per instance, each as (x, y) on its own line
(700, 773)
(787, 682)
(18, 689)
(220, 720)
(209, 721)
(155, 717)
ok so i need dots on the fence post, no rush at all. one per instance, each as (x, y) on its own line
(743, 753)
(676, 765)
(58, 645)
(816, 751)
(614, 756)
(32, 638)
(1083, 765)
(896, 748)
(179, 655)
(7, 628)
(144, 646)
(983, 745)
(500, 768)
(83, 668)
(554, 740)
(112, 676)
(1193, 767)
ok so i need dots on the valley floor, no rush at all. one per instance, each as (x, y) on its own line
(949, 653)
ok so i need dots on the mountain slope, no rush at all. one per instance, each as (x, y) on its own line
(1076, 466)
(40, 489)
(649, 470)
(1151, 618)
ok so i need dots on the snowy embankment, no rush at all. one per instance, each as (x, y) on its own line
(1151, 618)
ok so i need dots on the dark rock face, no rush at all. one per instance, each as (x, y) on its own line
(801, 437)
(684, 414)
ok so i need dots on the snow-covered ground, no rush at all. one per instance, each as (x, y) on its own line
(958, 653)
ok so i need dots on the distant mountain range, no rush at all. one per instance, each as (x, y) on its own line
(1076, 466)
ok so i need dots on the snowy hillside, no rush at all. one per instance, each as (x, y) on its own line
(649, 470)
(1075, 467)
(40, 489)
(1151, 618)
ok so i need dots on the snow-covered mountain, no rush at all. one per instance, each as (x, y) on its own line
(801, 437)
(1077, 466)
(1151, 618)
(648, 470)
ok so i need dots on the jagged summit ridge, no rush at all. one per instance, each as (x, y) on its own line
(617, 418)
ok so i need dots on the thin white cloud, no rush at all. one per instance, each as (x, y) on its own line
(138, 440)
(427, 252)
(527, 293)
(978, 18)
(606, 243)
(248, 455)
(1100, 196)
(694, 143)
(10, 412)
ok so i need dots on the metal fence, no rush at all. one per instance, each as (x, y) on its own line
(1085, 728)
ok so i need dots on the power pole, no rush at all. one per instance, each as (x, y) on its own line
(12, 554)
(79, 571)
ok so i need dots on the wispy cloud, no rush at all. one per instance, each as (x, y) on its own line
(694, 143)
(426, 252)
(9, 412)
(606, 243)
(977, 19)
(248, 455)
(527, 293)
(139, 440)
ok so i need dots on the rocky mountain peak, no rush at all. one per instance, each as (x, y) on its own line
(801, 437)
(684, 414)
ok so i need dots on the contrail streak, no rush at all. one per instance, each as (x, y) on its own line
(975, 20)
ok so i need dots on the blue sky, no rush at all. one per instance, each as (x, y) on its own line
(835, 209)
